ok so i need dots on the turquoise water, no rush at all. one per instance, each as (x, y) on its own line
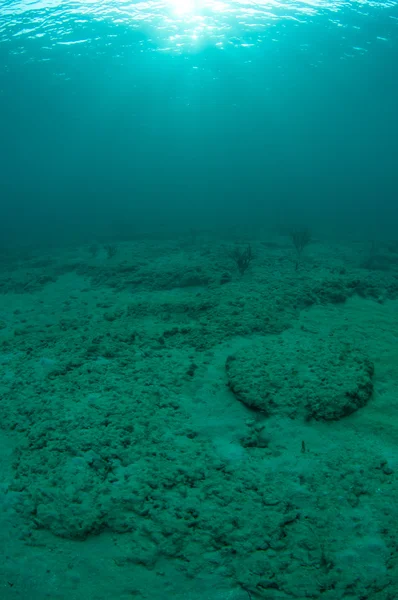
(126, 115)
(198, 300)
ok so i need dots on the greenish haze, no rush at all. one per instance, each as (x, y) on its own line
(117, 117)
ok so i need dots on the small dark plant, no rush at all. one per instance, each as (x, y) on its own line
(300, 238)
(93, 249)
(242, 257)
(111, 250)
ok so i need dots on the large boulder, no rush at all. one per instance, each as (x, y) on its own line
(304, 376)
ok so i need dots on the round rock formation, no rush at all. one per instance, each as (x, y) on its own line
(306, 376)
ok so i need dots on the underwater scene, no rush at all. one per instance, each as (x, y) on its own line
(198, 300)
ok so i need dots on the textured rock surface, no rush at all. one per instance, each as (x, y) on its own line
(307, 376)
(188, 442)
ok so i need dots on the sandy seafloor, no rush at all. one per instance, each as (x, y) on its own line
(173, 429)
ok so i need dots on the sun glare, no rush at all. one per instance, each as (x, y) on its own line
(183, 7)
